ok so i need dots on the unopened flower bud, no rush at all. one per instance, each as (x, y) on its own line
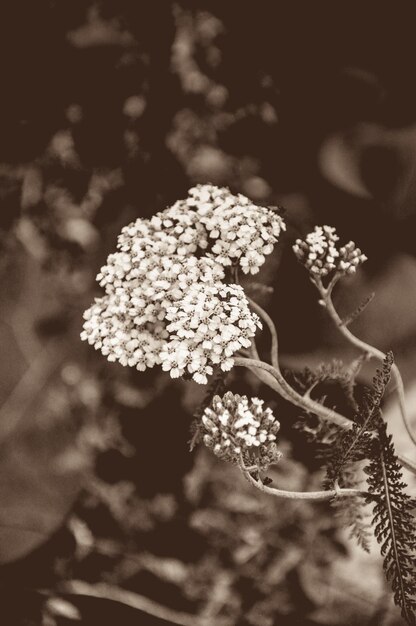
(320, 255)
(241, 430)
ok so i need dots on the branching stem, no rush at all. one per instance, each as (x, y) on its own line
(274, 379)
(365, 348)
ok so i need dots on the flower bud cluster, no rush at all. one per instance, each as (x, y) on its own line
(165, 301)
(321, 256)
(241, 430)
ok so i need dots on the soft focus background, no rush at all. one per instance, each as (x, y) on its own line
(111, 110)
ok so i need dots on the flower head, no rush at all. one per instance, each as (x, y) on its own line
(321, 256)
(241, 430)
(109, 328)
(206, 327)
(238, 231)
(165, 298)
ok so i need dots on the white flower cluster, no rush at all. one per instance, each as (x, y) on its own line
(240, 429)
(207, 326)
(320, 255)
(238, 231)
(165, 300)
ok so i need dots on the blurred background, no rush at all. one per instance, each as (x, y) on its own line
(109, 111)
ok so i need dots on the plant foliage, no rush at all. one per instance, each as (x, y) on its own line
(393, 522)
(356, 444)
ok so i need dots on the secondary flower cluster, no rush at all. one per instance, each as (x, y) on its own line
(320, 255)
(239, 429)
(165, 298)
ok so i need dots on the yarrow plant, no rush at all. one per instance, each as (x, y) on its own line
(172, 298)
(168, 299)
(241, 430)
(320, 255)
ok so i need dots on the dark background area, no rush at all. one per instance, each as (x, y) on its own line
(110, 111)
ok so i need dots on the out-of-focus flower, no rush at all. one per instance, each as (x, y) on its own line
(321, 256)
(239, 429)
(114, 332)
(166, 302)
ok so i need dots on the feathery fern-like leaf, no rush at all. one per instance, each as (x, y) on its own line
(327, 373)
(356, 444)
(352, 512)
(361, 307)
(393, 522)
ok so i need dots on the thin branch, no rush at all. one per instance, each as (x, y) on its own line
(252, 352)
(361, 307)
(302, 495)
(274, 351)
(367, 349)
(273, 378)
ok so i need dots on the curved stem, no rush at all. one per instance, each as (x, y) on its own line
(274, 351)
(302, 495)
(253, 352)
(367, 349)
(274, 379)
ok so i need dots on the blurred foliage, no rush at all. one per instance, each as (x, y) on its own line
(111, 110)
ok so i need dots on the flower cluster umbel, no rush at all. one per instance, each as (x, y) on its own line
(166, 298)
(241, 430)
(321, 256)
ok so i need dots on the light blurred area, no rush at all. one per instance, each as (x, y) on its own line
(111, 110)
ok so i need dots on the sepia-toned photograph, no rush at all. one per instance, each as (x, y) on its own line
(207, 313)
